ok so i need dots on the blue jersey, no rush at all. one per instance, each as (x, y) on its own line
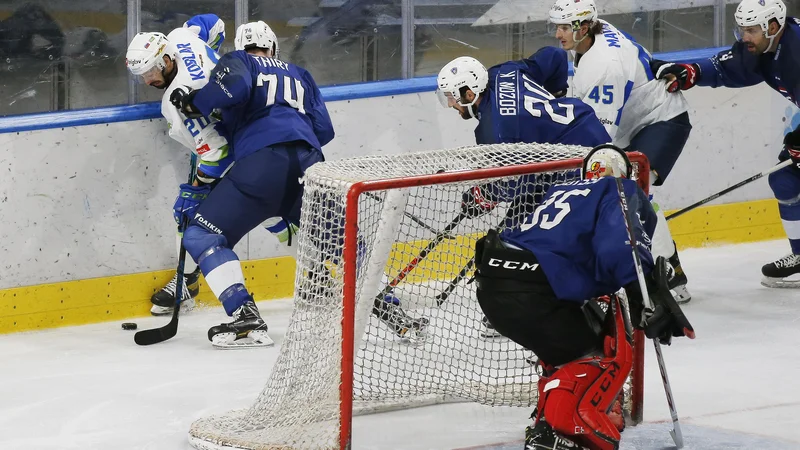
(579, 236)
(518, 105)
(264, 102)
(737, 67)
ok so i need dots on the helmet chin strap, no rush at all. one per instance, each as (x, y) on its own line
(471, 106)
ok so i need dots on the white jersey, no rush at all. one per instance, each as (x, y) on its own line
(615, 79)
(195, 60)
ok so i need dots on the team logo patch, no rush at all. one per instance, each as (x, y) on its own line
(454, 70)
(147, 45)
(761, 2)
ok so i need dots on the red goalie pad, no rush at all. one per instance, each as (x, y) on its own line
(578, 397)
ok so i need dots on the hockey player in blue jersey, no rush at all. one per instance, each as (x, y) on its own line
(517, 102)
(538, 284)
(520, 101)
(767, 51)
(278, 122)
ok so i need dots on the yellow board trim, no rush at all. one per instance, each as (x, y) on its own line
(95, 300)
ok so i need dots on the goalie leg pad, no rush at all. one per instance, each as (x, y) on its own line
(579, 395)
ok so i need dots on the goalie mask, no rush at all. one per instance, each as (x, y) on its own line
(463, 72)
(256, 35)
(145, 56)
(606, 160)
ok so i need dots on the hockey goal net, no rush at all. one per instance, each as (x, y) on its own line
(365, 222)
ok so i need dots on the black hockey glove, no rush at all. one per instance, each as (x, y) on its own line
(667, 319)
(792, 144)
(182, 100)
(680, 77)
(476, 202)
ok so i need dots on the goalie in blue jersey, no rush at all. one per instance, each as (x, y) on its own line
(538, 285)
(278, 122)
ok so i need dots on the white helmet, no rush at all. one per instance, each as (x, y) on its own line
(461, 72)
(256, 34)
(145, 55)
(573, 12)
(752, 13)
(606, 160)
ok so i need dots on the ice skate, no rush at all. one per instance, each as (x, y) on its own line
(678, 280)
(488, 331)
(542, 437)
(389, 311)
(783, 273)
(164, 300)
(248, 329)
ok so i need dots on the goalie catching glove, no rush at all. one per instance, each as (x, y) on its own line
(477, 201)
(666, 320)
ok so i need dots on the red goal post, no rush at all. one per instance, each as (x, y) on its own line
(362, 217)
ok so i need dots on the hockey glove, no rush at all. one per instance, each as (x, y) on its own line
(476, 202)
(666, 320)
(680, 77)
(189, 198)
(182, 100)
(792, 143)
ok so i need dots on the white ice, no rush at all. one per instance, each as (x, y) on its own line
(91, 387)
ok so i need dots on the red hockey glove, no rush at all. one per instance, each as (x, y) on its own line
(680, 77)
(792, 143)
(475, 202)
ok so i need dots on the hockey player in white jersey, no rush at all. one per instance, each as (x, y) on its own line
(183, 59)
(613, 76)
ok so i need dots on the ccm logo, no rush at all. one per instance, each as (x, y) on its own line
(512, 265)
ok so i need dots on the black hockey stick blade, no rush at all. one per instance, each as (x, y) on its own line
(168, 331)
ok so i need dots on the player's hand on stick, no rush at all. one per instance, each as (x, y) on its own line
(792, 143)
(182, 100)
(189, 198)
(477, 202)
(679, 77)
(666, 320)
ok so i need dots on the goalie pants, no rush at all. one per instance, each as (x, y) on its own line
(522, 307)
(662, 143)
(785, 184)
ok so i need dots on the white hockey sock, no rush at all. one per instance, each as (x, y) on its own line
(662, 244)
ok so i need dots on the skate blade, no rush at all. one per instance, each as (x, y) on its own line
(186, 306)
(254, 339)
(681, 294)
(781, 283)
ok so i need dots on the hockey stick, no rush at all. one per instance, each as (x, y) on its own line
(442, 297)
(440, 236)
(719, 194)
(168, 331)
(676, 434)
(410, 216)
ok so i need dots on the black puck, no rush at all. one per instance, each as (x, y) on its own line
(128, 326)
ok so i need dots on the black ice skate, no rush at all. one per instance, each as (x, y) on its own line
(542, 437)
(678, 280)
(389, 311)
(488, 331)
(783, 273)
(246, 330)
(164, 300)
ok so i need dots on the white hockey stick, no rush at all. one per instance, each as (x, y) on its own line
(676, 434)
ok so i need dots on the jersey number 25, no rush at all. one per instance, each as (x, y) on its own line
(293, 99)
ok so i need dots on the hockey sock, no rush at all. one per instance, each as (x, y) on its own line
(222, 270)
(662, 244)
(234, 297)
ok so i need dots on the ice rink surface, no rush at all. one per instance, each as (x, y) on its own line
(91, 387)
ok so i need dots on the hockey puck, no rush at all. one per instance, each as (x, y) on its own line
(128, 326)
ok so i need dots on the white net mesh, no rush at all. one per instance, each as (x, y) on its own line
(450, 360)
